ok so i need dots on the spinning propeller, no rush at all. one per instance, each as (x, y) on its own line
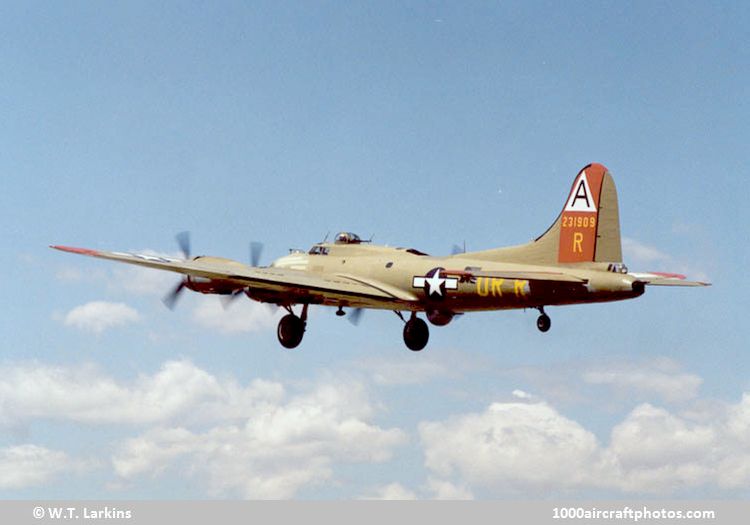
(355, 315)
(170, 300)
(256, 249)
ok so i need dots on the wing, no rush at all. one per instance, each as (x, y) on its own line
(280, 285)
(666, 279)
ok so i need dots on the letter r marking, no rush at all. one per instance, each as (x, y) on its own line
(578, 242)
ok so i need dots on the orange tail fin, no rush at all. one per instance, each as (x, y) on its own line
(590, 218)
(587, 230)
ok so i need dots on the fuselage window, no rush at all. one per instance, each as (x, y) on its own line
(318, 250)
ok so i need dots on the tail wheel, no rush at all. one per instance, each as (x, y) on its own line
(543, 322)
(290, 331)
(416, 334)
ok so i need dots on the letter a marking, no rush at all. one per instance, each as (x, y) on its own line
(581, 198)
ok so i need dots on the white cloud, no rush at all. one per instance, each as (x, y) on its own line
(442, 489)
(520, 394)
(98, 316)
(510, 446)
(736, 473)
(139, 280)
(631, 380)
(242, 315)
(403, 371)
(26, 466)
(391, 492)
(84, 394)
(255, 440)
(655, 451)
(70, 274)
(641, 253)
(418, 369)
(278, 450)
(660, 377)
(265, 439)
(513, 448)
(638, 254)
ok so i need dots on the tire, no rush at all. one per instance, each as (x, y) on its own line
(290, 331)
(543, 322)
(416, 334)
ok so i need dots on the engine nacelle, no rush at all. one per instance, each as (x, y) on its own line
(210, 286)
(439, 318)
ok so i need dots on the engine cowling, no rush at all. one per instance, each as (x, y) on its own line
(439, 317)
(209, 286)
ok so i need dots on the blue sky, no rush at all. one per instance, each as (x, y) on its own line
(422, 124)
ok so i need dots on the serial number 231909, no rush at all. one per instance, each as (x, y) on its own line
(578, 222)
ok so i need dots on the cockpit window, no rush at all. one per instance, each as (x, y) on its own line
(318, 250)
(347, 238)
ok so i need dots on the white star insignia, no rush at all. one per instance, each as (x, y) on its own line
(435, 282)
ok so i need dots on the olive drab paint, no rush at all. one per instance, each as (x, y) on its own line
(577, 260)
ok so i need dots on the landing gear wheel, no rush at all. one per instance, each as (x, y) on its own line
(416, 334)
(290, 331)
(543, 322)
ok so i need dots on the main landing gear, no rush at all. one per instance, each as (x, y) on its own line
(291, 328)
(543, 322)
(416, 332)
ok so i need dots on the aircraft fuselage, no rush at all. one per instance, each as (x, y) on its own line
(444, 283)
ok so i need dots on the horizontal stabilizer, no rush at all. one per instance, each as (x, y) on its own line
(666, 279)
(675, 282)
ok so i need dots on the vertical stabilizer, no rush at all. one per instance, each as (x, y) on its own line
(587, 230)
(589, 222)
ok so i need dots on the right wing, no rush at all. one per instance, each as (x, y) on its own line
(666, 279)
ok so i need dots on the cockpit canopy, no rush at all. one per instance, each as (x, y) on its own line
(347, 238)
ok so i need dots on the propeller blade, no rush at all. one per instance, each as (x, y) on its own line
(456, 249)
(227, 300)
(183, 239)
(256, 248)
(355, 315)
(272, 308)
(170, 299)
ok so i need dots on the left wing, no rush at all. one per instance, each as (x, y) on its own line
(282, 285)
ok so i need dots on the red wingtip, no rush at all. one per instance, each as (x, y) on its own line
(82, 251)
(670, 275)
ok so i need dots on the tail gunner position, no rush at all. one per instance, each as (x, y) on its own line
(577, 260)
